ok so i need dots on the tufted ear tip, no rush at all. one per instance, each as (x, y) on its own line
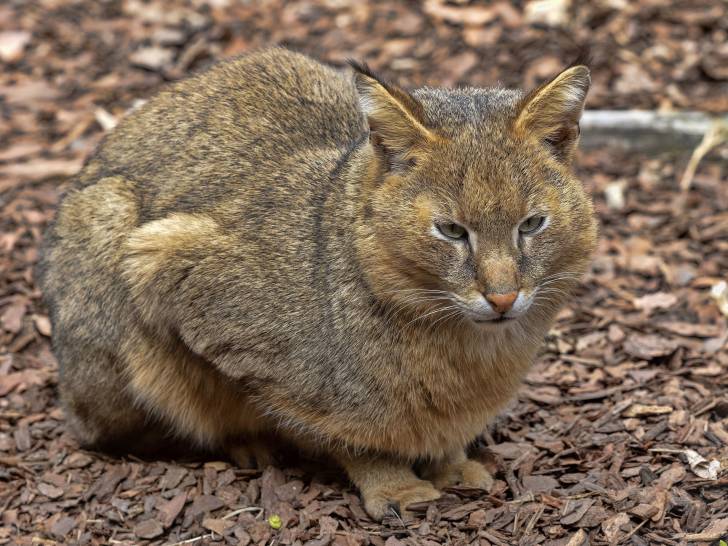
(395, 118)
(552, 111)
(363, 72)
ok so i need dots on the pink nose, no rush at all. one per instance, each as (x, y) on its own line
(502, 302)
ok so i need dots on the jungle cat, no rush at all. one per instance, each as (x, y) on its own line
(279, 251)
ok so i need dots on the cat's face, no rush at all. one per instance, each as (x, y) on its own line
(486, 237)
(482, 220)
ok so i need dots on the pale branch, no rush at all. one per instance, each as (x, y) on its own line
(644, 130)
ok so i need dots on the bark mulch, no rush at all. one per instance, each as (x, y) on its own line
(620, 433)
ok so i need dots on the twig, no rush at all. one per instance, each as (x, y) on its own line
(716, 135)
(191, 540)
(528, 497)
(633, 531)
(491, 538)
(532, 522)
(242, 510)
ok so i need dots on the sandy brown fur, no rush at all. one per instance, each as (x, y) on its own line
(241, 260)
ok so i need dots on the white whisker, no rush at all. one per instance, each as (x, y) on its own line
(438, 310)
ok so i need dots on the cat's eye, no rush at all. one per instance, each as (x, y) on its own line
(452, 230)
(532, 225)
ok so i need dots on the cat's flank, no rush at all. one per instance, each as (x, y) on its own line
(277, 251)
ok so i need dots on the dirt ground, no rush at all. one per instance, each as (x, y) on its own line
(595, 450)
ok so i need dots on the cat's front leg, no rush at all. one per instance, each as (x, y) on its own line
(457, 469)
(387, 486)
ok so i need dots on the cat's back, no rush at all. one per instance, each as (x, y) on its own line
(229, 129)
(250, 144)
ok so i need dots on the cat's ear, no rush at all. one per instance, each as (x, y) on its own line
(396, 121)
(551, 112)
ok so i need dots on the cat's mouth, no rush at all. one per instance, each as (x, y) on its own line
(482, 312)
(489, 317)
(497, 320)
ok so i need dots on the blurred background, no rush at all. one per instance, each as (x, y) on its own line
(633, 374)
(71, 68)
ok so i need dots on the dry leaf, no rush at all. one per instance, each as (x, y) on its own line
(715, 531)
(649, 346)
(658, 300)
(719, 293)
(575, 511)
(12, 317)
(29, 376)
(29, 92)
(671, 476)
(170, 510)
(643, 511)
(690, 329)
(42, 168)
(614, 194)
(552, 13)
(660, 498)
(203, 504)
(616, 526)
(50, 491)
(701, 467)
(105, 119)
(217, 525)
(464, 15)
(20, 150)
(577, 539)
(540, 484)
(639, 410)
(12, 44)
(153, 58)
(42, 324)
(63, 526)
(711, 370)
(150, 528)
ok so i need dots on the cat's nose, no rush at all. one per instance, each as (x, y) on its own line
(502, 302)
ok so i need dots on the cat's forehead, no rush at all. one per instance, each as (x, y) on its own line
(495, 163)
(488, 180)
(447, 108)
(480, 167)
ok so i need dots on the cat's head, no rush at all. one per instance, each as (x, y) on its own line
(472, 209)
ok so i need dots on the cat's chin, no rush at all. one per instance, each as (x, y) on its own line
(497, 322)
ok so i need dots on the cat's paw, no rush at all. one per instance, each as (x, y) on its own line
(394, 498)
(470, 473)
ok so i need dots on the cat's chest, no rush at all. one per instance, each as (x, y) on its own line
(447, 390)
(456, 377)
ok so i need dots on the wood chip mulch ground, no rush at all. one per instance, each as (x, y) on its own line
(620, 433)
